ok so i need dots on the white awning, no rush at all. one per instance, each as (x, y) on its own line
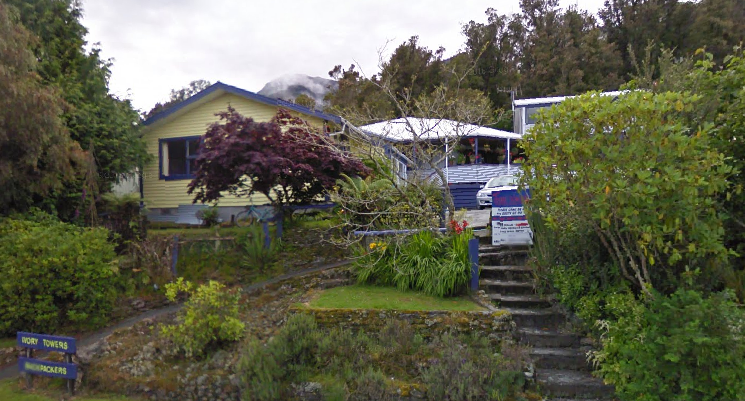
(428, 129)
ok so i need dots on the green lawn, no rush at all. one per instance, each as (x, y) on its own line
(9, 391)
(368, 297)
(7, 342)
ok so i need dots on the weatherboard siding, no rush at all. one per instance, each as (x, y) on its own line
(159, 193)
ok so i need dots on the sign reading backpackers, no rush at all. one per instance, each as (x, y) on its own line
(30, 366)
(508, 221)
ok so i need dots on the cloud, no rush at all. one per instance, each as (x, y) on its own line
(165, 44)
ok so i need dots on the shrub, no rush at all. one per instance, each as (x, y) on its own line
(425, 261)
(682, 347)
(371, 385)
(379, 204)
(470, 372)
(54, 274)
(210, 217)
(209, 317)
(655, 214)
(148, 261)
(254, 246)
(261, 375)
(353, 361)
(122, 216)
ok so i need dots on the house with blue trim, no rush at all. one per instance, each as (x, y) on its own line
(172, 137)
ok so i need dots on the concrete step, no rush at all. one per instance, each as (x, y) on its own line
(573, 385)
(508, 272)
(507, 287)
(502, 256)
(541, 319)
(520, 301)
(560, 358)
(547, 338)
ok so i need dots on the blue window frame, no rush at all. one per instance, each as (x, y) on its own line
(177, 157)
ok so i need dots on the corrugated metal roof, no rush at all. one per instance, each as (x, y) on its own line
(427, 129)
(556, 99)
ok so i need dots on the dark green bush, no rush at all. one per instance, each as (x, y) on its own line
(465, 372)
(53, 275)
(426, 261)
(359, 367)
(684, 347)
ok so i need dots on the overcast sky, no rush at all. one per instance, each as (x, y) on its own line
(159, 45)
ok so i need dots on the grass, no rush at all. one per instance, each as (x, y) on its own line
(10, 391)
(7, 342)
(368, 297)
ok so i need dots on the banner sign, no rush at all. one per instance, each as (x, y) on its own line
(46, 342)
(509, 224)
(52, 369)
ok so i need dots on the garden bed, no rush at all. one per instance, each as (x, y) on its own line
(369, 309)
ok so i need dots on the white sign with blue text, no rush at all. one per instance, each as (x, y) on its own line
(508, 221)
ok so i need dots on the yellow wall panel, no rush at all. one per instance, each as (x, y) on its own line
(159, 193)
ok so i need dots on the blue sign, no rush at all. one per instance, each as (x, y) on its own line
(51, 369)
(46, 342)
(509, 224)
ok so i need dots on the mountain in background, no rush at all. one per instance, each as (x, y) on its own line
(288, 87)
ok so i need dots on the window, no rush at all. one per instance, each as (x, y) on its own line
(178, 157)
(531, 113)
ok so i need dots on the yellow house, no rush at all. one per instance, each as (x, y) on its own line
(172, 137)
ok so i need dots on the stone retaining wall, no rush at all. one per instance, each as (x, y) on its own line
(495, 325)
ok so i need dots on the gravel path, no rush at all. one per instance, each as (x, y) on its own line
(11, 371)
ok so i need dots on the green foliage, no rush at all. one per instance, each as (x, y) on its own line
(471, 373)
(97, 120)
(681, 347)
(655, 215)
(359, 367)
(123, 218)
(37, 152)
(54, 275)
(425, 261)
(377, 203)
(147, 262)
(257, 253)
(210, 217)
(210, 317)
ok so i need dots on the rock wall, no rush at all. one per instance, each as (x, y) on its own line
(496, 325)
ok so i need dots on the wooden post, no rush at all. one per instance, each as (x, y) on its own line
(473, 255)
(267, 237)
(29, 379)
(174, 256)
(70, 383)
(280, 218)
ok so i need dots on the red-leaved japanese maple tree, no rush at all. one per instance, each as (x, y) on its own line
(286, 160)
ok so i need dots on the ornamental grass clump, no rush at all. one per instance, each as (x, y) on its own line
(426, 261)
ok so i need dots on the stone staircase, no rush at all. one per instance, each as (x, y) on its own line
(559, 356)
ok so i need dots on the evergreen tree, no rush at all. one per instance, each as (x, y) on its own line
(37, 152)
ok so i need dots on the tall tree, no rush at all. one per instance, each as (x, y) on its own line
(632, 24)
(565, 52)
(177, 96)
(496, 48)
(97, 120)
(36, 150)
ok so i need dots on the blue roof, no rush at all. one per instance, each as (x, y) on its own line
(243, 93)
